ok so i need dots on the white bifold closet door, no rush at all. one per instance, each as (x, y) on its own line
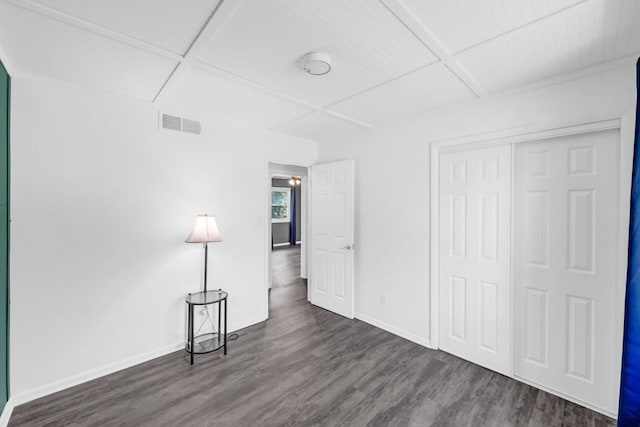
(474, 240)
(565, 261)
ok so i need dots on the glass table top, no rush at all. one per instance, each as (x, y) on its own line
(201, 298)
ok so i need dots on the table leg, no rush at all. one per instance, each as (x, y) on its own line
(225, 326)
(191, 343)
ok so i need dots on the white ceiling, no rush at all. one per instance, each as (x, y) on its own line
(237, 58)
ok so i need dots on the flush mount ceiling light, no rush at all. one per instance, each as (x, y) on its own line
(294, 181)
(315, 63)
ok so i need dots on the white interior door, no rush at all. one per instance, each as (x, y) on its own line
(474, 230)
(566, 210)
(332, 244)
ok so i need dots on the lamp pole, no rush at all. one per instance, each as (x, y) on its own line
(206, 261)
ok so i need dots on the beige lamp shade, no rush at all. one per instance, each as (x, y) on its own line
(204, 230)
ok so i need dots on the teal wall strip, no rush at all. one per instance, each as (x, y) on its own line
(5, 103)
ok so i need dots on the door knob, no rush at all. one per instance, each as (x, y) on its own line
(348, 247)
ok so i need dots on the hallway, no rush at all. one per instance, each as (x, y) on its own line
(286, 285)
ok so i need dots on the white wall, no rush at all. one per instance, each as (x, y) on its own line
(101, 204)
(392, 184)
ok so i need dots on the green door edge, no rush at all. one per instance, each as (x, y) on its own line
(4, 388)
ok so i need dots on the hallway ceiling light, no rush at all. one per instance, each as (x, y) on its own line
(315, 63)
(294, 181)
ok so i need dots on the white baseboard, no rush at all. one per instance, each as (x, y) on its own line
(74, 380)
(396, 331)
(275, 245)
(84, 377)
(6, 413)
(246, 323)
(613, 415)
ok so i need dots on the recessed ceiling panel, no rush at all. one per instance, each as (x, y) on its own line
(458, 24)
(47, 48)
(169, 24)
(587, 35)
(262, 40)
(200, 91)
(317, 126)
(431, 87)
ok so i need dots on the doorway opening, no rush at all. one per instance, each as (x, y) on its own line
(288, 227)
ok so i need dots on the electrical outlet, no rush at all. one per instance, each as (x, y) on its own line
(383, 299)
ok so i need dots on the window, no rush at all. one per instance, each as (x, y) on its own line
(280, 199)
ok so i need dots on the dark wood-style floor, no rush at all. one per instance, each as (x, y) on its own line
(306, 366)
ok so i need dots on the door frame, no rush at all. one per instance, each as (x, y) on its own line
(304, 226)
(626, 129)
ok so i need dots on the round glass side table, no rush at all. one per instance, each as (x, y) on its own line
(210, 341)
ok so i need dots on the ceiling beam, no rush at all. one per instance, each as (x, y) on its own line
(345, 118)
(59, 16)
(413, 24)
(214, 22)
(219, 72)
(437, 63)
(526, 24)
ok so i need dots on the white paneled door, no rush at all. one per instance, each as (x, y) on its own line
(332, 245)
(474, 241)
(565, 260)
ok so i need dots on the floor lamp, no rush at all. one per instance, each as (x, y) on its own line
(205, 230)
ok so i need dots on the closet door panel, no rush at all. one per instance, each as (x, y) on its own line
(475, 256)
(565, 222)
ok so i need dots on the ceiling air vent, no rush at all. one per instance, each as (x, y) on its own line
(171, 122)
(191, 126)
(167, 121)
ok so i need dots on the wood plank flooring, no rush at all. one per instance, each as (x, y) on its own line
(304, 367)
